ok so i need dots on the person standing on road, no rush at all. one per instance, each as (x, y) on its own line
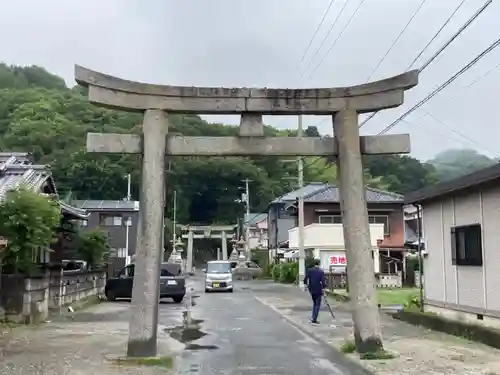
(315, 281)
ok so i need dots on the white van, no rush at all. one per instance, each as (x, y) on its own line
(218, 276)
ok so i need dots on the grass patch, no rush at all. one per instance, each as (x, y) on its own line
(5, 324)
(348, 347)
(165, 362)
(385, 296)
(378, 355)
(339, 295)
(397, 296)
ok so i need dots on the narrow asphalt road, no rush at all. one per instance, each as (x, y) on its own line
(242, 336)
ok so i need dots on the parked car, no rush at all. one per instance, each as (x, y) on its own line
(74, 265)
(251, 268)
(218, 276)
(172, 283)
(255, 269)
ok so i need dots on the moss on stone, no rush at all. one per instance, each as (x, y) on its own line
(165, 361)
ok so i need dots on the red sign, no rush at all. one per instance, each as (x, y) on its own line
(338, 260)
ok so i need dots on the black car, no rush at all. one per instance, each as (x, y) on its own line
(172, 283)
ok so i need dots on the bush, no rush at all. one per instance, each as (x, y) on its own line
(412, 302)
(285, 272)
(29, 222)
(94, 248)
(348, 347)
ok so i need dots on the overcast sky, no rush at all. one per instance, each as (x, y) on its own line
(261, 43)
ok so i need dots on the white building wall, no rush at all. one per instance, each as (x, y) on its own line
(327, 240)
(462, 292)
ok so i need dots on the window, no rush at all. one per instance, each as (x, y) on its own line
(216, 267)
(285, 213)
(84, 223)
(380, 219)
(110, 220)
(372, 219)
(170, 269)
(330, 219)
(466, 248)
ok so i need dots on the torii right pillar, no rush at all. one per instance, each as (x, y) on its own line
(356, 232)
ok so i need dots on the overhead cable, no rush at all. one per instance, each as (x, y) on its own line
(317, 30)
(325, 38)
(467, 24)
(443, 86)
(459, 31)
(396, 40)
(337, 39)
(436, 35)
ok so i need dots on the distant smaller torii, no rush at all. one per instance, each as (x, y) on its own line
(205, 231)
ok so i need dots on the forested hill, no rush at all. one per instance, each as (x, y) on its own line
(39, 114)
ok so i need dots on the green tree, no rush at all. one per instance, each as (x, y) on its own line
(94, 248)
(38, 114)
(29, 222)
(454, 163)
(401, 174)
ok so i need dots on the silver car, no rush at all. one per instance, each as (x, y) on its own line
(218, 276)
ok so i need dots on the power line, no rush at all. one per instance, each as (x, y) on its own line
(465, 26)
(483, 76)
(459, 31)
(325, 38)
(396, 40)
(317, 30)
(459, 133)
(337, 39)
(442, 87)
(436, 35)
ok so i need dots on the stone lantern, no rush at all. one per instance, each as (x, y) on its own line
(175, 256)
(241, 252)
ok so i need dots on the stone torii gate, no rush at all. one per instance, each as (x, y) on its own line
(207, 231)
(157, 101)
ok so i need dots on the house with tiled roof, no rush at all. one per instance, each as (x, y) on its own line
(257, 225)
(280, 219)
(17, 170)
(324, 230)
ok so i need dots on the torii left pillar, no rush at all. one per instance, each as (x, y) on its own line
(145, 293)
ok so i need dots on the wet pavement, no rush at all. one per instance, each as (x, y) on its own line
(239, 335)
(230, 334)
(418, 350)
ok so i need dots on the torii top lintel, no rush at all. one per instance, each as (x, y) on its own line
(115, 92)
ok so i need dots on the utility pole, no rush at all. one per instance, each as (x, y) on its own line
(129, 183)
(175, 215)
(247, 217)
(128, 222)
(300, 166)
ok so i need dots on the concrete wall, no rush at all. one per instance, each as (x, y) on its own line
(30, 300)
(463, 292)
